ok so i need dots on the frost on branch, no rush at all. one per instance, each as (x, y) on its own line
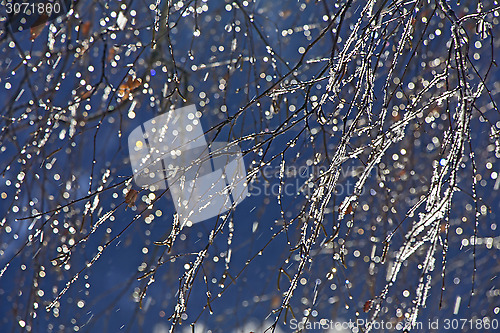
(370, 132)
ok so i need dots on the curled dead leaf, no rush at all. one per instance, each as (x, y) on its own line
(347, 211)
(85, 28)
(367, 306)
(131, 197)
(127, 87)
